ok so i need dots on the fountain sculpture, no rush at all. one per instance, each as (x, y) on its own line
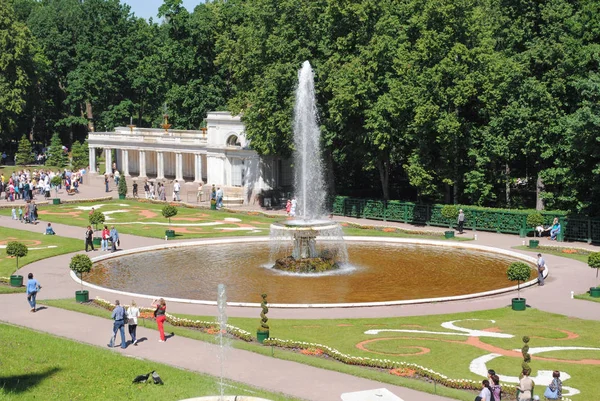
(307, 254)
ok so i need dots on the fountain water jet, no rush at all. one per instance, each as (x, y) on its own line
(308, 255)
(221, 339)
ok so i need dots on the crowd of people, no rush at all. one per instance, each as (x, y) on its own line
(491, 390)
(27, 184)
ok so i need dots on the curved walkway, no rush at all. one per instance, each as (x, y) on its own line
(308, 382)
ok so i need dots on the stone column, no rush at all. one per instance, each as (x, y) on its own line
(142, 164)
(160, 166)
(197, 168)
(108, 160)
(92, 160)
(179, 167)
(125, 162)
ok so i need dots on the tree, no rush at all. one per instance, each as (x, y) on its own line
(81, 264)
(169, 211)
(594, 263)
(518, 271)
(450, 213)
(16, 249)
(122, 188)
(17, 70)
(96, 218)
(55, 153)
(534, 220)
(79, 155)
(24, 153)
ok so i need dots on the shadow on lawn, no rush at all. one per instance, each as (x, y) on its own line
(21, 383)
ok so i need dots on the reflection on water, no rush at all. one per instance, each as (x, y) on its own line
(378, 272)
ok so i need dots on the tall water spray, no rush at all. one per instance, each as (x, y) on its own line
(308, 165)
(316, 242)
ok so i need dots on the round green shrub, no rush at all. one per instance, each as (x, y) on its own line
(81, 264)
(594, 260)
(518, 271)
(56, 181)
(122, 187)
(535, 219)
(16, 249)
(169, 211)
(449, 212)
(97, 218)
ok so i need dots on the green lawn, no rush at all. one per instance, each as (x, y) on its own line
(34, 240)
(581, 255)
(67, 370)
(136, 213)
(6, 289)
(587, 297)
(449, 358)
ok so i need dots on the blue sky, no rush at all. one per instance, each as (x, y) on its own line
(149, 8)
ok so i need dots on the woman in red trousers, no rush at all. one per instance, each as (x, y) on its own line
(159, 313)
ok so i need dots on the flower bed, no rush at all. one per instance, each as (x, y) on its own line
(394, 367)
(207, 327)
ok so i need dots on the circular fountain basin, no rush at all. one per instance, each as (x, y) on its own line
(382, 271)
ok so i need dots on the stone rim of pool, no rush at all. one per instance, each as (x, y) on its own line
(388, 240)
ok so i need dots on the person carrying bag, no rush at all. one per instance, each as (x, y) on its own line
(554, 390)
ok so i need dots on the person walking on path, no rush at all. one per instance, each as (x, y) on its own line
(114, 239)
(105, 237)
(159, 313)
(32, 289)
(135, 189)
(105, 182)
(461, 221)
(133, 312)
(89, 238)
(176, 189)
(118, 316)
(541, 266)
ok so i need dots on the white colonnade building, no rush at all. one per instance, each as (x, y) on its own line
(219, 155)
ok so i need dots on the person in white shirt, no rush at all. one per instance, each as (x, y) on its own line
(486, 392)
(176, 189)
(133, 312)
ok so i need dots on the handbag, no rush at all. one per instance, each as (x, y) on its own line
(550, 394)
(125, 318)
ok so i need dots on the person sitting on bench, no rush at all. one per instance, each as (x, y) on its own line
(555, 229)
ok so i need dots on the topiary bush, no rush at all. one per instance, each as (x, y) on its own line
(97, 218)
(56, 181)
(122, 187)
(526, 357)
(594, 263)
(81, 264)
(518, 271)
(169, 211)
(16, 249)
(534, 220)
(264, 327)
(450, 213)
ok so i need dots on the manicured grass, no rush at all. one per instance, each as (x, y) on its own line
(581, 255)
(449, 355)
(133, 211)
(67, 370)
(323, 363)
(34, 240)
(6, 289)
(587, 297)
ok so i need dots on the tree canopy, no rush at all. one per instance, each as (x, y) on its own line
(492, 103)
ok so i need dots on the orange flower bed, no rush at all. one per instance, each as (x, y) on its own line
(569, 251)
(389, 230)
(214, 330)
(311, 351)
(404, 372)
(147, 315)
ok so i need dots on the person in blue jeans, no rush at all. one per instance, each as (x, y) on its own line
(32, 289)
(118, 316)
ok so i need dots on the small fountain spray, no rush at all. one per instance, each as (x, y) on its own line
(221, 339)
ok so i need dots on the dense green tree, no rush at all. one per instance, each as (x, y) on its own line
(55, 156)
(24, 153)
(17, 70)
(79, 155)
